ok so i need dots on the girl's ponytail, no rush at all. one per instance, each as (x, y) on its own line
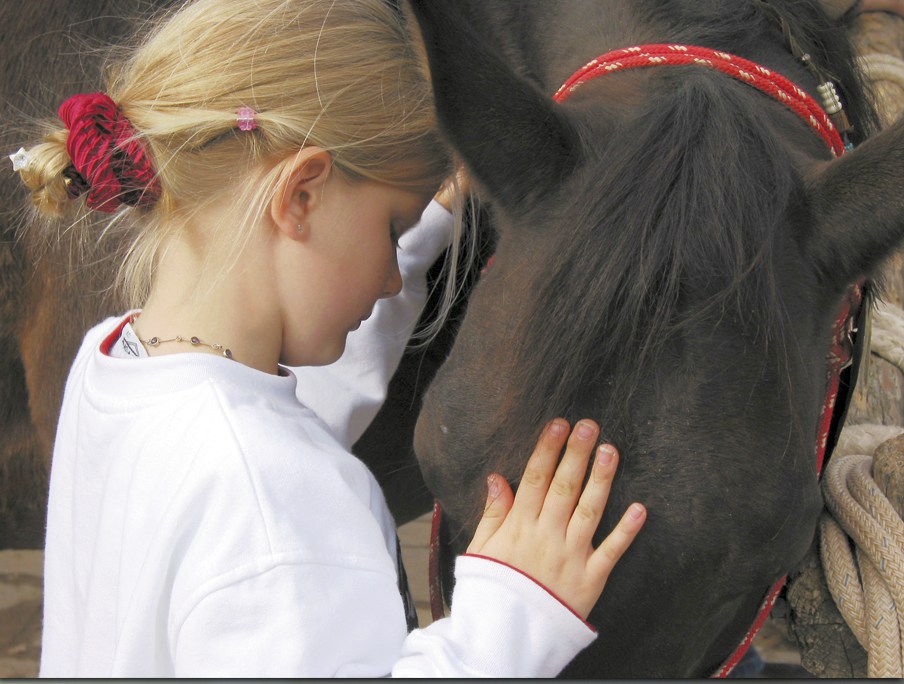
(169, 139)
(41, 169)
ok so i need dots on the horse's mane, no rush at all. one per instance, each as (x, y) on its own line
(692, 188)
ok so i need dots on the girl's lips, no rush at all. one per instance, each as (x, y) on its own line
(358, 324)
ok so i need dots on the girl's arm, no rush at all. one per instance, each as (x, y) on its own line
(347, 394)
(531, 576)
(519, 609)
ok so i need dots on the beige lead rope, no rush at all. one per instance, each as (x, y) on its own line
(862, 533)
(867, 585)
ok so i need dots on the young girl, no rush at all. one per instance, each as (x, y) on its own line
(203, 520)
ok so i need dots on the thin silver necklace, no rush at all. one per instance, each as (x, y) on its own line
(193, 341)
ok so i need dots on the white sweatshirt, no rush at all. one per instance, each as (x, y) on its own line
(203, 522)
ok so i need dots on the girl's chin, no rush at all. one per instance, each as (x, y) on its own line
(324, 357)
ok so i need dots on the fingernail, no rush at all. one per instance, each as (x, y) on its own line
(556, 428)
(584, 430)
(635, 511)
(604, 454)
(493, 486)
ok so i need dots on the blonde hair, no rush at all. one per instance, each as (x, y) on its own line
(344, 75)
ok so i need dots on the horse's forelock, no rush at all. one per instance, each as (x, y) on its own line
(678, 221)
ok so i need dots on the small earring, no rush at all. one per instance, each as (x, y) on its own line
(299, 228)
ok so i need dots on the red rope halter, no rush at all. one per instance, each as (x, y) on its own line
(773, 84)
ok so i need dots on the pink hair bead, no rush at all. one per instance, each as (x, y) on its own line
(245, 117)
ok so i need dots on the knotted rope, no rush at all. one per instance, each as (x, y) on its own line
(867, 584)
(861, 533)
(881, 67)
(886, 73)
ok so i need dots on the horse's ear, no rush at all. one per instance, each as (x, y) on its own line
(513, 138)
(857, 202)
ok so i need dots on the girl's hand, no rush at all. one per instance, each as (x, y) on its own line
(546, 531)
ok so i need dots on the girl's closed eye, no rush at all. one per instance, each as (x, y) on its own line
(407, 220)
(398, 228)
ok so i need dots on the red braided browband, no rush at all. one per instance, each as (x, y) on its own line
(109, 160)
(775, 85)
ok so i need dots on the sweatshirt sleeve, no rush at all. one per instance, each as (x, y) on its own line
(347, 394)
(311, 620)
(326, 620)
(502, 624)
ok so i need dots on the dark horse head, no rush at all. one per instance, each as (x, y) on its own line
(673, 246)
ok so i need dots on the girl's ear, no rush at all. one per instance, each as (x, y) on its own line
(298, 191)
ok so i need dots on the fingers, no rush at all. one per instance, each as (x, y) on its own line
(547, 530)
(589, 510)
(566, 485)
(540, 467)
(614, 546)
(499, 503)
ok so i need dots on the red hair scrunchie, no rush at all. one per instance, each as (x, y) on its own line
(105, 152)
